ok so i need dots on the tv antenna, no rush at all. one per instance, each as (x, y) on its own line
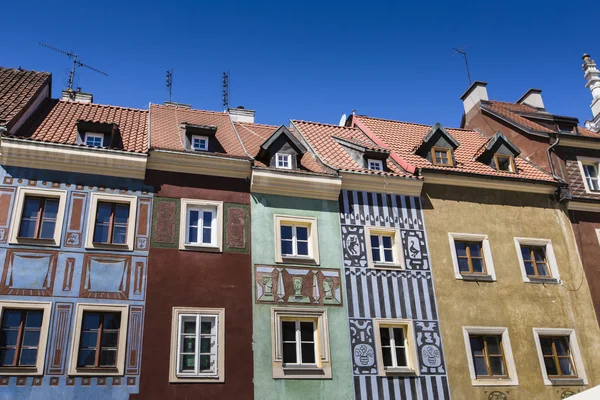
(225, 90)
(463, 53)
(170, 84)
(76, 63)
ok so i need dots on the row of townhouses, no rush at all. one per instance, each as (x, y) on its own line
(174, 253)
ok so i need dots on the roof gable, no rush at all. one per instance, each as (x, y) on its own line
(291, 139)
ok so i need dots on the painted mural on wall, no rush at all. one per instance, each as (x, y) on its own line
(298, 286)
(68, 275)
(390, 293)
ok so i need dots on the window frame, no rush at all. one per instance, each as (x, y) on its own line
(219, 375)
(581, 378)
(448, 152)
(313, 239)
(376, 162)
(119, 369)
(511, 158)
(217, 228)
(94, 135)
(46, 308)
(511, 378)
(554, 277)
(487, 256)
(413, 368)
(91, 220)
(19, 204)
(581, 161)
(322, 368)
(199, 137)
(397, 252)
(288, 158)
(111, 224)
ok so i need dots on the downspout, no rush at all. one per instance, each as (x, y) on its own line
(549, 153)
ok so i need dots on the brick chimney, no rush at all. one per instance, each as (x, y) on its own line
(592, 76)
(77, 96)
(474, 94)
(240, 114)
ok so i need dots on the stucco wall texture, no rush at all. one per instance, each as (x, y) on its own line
(508, 302)
(263, 252)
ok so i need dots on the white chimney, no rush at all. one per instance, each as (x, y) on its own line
(77, 96)
(474, 94)
(533, 98)
(592, 76)
(240, 114)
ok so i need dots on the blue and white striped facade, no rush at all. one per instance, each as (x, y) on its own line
(391, 294)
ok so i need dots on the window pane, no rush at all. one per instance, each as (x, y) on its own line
(205, 344)
(375, 254)
(480, 368)
(47, 231)
(9, 338)
(387, 241)
(401, 357)
(475, 249)
(476, 346)
(288, 329)
(389, 255)
(526, 253)
(110, 339)
(307, 332)
(461, 249)
(27, 229)
(103, 212)
(493, 343)
(206, 363)
(112, 320)
(31, 338)
(194, 216)
(188, 345)
(562, 346)
(399, 336)
(542, 269)
(28, 357)
(207, 218)
(302, 233)
(286, 232)
(51, 208)
(387, 356)
(86, 358)
(384, 334)
(7, 357)
(91, 320)
(207, 326)
(477, 265)
(302, 248)
(497, 366)
(565, 366)
(189, 325)
(188, 362)
(463, 265)
(308, 353)
(88, 339)
(32, 207)
(206, 235)
(34, 319)
(108, 358)
(11, 319)
(119, 235)
(121, 213)
(286, 247)
(550, 366)
(289, 353)
(374, 241)
(193, 234)
(546, 344)
(539, 254)
(529, 268)
(101, 234)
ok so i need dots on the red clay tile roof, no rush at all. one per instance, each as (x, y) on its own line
(18, 88)
(321, 138)
(165, 128)
(404, 137)
(56, 122)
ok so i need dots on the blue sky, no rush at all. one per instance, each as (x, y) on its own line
(311, 60)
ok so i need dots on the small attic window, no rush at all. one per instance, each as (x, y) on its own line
(375, 165)
(284, 161)
(504, 163)
(199, 143)
(441, 156)
(94, 139)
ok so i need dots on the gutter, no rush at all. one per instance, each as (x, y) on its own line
(72, 146)
(201, 155)
(491, 177)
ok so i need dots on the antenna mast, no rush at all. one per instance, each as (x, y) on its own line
(225, 90)
(170, 84)
(463, 53)
(76, 63)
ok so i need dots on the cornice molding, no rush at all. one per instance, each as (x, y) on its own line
(485, 183)
(575, 205)
(59, 157)
(381, 184)
(296, 185)
(199, 164)
(580, 142)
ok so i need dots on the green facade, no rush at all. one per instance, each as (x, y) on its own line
(340, 386)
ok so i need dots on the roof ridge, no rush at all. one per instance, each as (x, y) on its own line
(99, 105)
(253, 123)
(190, 109)
(324, 124)
(412, 123)
(24, 70)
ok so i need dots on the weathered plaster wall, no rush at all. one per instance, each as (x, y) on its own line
(263, 252)
(508, 302)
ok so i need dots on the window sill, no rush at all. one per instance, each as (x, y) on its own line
(96, 372)
(306, 371)
(298, 260)
(107, 246)
(387, 266)
(197, 379)
(551, 281)
(201, 247)
(566, 382)
(475, 277)
(495, 382)
(14, 371)
(399, 371)
(35, 242)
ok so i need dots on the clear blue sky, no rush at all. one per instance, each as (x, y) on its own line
(312, 60)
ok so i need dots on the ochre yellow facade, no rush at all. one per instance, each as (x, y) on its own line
(509, 301)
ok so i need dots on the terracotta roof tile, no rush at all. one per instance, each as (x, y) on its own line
(403, 137)
(56, 122)
(17, 89)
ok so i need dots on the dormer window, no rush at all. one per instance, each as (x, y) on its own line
(284, 161)
(441, 156)
(504, 163)
(375, 165)
(94, 139)
(199, 143)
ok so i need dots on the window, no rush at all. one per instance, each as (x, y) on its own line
(111, 221)
(537, 260)
(383, 247)
(94, 139)
(284, 161)
(300, 343)
(197, 348)
(396, 347)
(470, 257)
(489, 356)
(23, 337)
(99, 339)
(199, 143)
(441, 156)
(375, 165)
(296, 239)
(504, 163)
(201, 225)
(591, 177)
(559, 356)
(38, 216)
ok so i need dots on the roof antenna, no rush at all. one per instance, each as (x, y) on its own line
(225, 90)
(170, 84)
(76, 63)
(463, 53)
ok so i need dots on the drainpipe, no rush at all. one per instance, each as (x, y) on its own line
(548, 152)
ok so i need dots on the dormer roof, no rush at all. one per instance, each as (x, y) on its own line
(283, 131)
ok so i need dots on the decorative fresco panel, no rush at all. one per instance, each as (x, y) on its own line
(28, 273)
(59, 339)
(353, 246)
(134, 340)
(105, 277)
(298, 286)
(429, 346)
(165, 232)
(143, 223)
(75, 219)
(415, 249)
(372, 387)
(362, 342)
(237, 228)
(7, 195)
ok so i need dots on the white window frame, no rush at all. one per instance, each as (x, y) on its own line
(22, 193)
(199, 137)
(123, 333)
(288, 159)
(509, 360)
(411, 347)
(91, 220)
(598, 235)
(550, 258)
(313, 239)
(487, 256)
(581, 161)
(298, 341)
(217, 225)
(378, 163)
(575, 353)
(322, 368)
(219, 375)
(95, 136)
(397, 252)
(46, 307)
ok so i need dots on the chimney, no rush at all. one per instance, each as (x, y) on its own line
(533, 98)
(240, 114)
(592, 76)
(77, 96)
(474, 94)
